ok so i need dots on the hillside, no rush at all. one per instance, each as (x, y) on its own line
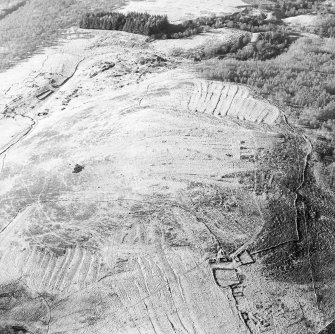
(146, 190)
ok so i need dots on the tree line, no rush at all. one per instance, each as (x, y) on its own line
(134, 22)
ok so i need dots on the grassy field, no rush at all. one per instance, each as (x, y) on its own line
(39, 23)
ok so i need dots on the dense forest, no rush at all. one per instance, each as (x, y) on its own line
(155, 26)
(138, 23)
(302, 79)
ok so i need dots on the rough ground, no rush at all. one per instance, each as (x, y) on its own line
(123, 175)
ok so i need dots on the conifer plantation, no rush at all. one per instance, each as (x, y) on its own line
(138, 23)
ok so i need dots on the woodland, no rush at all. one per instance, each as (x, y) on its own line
(301, 79)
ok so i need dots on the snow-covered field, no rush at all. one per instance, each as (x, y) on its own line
(302, 20)
(181, 10)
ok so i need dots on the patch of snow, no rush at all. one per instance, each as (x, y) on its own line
(184, 9)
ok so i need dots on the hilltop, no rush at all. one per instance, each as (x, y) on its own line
(178, 185)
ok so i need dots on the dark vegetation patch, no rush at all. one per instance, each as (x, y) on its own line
(293, 262)
(319, 230)
(330, 329)
(77, 168)
(11, 9)
(13, 330)
(18, 329)
(10, 295)
(138, 23)
(282, 165)
(156, 26)
(20, 308)
(309, 261)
